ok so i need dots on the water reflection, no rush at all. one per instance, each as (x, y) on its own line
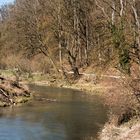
(74, 116)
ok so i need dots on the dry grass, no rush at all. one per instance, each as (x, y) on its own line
(128, 131)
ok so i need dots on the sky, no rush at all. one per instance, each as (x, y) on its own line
(2, 2)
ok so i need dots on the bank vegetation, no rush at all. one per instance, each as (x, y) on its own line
(93, 43)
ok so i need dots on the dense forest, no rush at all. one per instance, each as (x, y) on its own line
(62, 33)
(63, 36)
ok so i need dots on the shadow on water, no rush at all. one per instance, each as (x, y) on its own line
(55, 114)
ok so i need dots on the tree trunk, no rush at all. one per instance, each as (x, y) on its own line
(59, 35)
(87, 42)
(51, 60)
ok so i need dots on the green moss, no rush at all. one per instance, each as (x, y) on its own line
(6, 73)
(3, 104)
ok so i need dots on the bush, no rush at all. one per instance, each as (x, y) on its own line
(123, 102)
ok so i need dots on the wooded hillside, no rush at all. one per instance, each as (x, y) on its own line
(39, 35)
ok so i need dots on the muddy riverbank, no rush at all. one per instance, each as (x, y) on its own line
(11, 92)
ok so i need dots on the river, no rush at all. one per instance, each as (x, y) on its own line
(55, 114)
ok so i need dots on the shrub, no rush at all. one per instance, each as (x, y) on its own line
(122, 101)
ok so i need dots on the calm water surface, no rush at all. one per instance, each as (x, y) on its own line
(70, 115)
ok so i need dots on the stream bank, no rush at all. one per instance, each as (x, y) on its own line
(105, 87)
(11, 92)
(127, 131)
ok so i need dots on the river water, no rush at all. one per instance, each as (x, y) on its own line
(55, 114)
